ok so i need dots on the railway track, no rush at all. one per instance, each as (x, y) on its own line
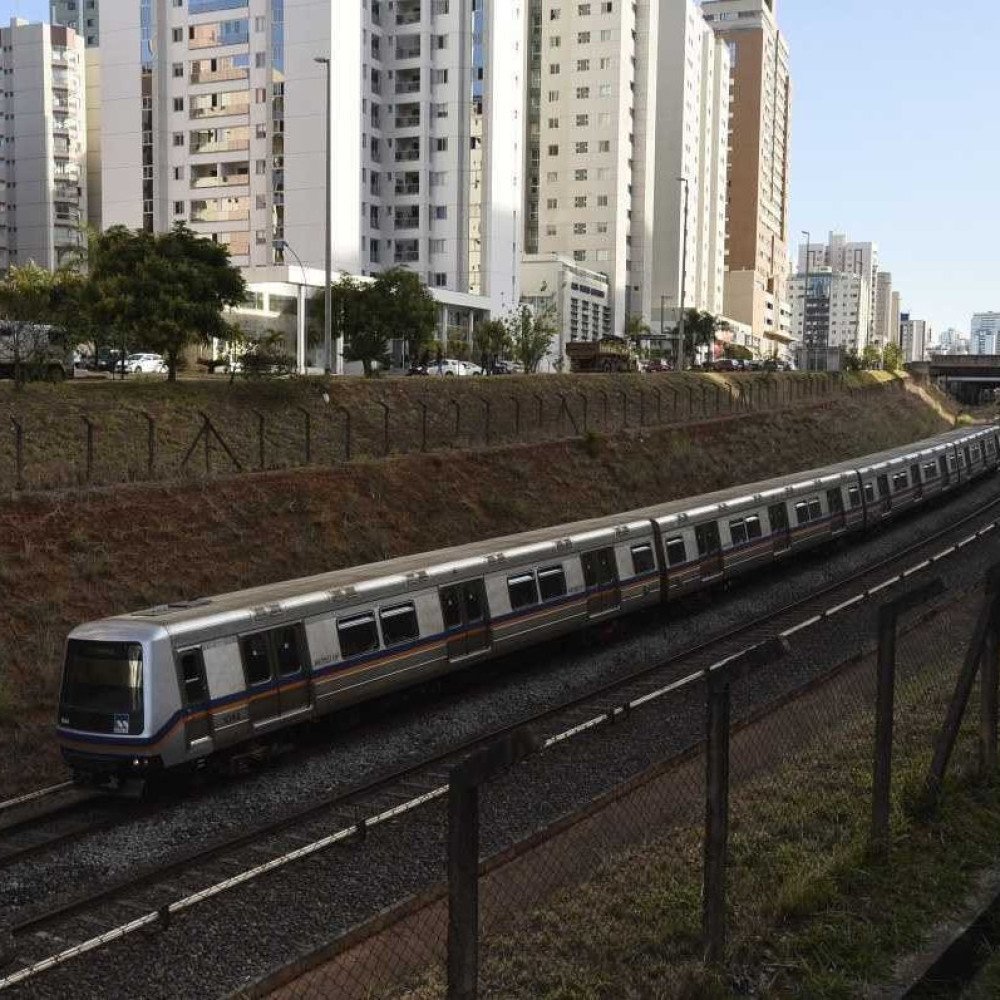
(56, 934)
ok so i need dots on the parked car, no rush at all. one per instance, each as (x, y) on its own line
(658, 365)
(145, 364)
(451, 366)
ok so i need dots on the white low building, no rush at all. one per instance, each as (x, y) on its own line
(579, 299)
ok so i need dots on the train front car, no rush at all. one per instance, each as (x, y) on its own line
(117, 713)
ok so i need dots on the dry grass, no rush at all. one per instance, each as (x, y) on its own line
(75, 556)
(459, 413)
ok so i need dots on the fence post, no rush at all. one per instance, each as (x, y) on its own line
(541, 409)
(945, 743)
(150, 443)
(624, 396)
(642, 408)
(586, 406)
(718, 399)
(18, 453)
(716, 813)
(659, 406)
(261, 432)
(347, 432)
(604, 398)
(464, 782)
(690, 403)
(677, 398)
(90, 446)
(489, 420)
(885, 699)
(423, 425)
(458, 420)
(517, 416)
(208, 443)
(308, 433)
(385, 426)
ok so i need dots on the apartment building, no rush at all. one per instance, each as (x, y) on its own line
(758, 181)
(915, 336)
(830, 316)
(43, 144)
(883, 331)
(692, 160)
(589, 153)
(214, 114)
(80, 15)
(845, 256)
(984, 333)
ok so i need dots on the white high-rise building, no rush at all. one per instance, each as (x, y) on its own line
(43, 175)
(692, 142)
(915, 336)
(832, 317)
(80, 15)
(847, 257)
(883, 329)
(589, 166)
(214, 113)
(985, 333)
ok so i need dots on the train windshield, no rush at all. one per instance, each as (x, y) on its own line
(102, 687)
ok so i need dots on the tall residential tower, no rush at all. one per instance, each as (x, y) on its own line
(81, 15)
(760, 121)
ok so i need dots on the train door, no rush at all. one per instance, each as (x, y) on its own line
(777, 514)
(945, 471)
(838, 516)
(600, 574)
(265, 700)
(885, 495)
(916, 476)
(290, 660)
(194, 696)
(465, 611)
(709, 549)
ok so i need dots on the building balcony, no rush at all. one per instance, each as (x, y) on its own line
(219, 75)
(216, 181)
(233, 110)
(220, 214)
(221, 146)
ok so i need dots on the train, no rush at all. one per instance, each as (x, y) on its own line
(186, 684)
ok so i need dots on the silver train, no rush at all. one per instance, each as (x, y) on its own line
(175, 685)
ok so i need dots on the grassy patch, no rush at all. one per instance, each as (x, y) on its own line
(812, 915)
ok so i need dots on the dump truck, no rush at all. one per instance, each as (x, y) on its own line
(609, 354)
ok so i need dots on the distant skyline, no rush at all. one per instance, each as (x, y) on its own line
(892, 140)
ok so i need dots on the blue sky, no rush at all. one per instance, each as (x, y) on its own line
(893, 139)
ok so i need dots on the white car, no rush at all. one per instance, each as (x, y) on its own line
(145, 364)
(448, 366)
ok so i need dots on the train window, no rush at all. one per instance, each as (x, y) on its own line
(915, 475)
(286, 649)
(599, 568)
(754, 529)
(552, 582)
(815, 509)
(930, 471)
(989, 446)
(707, 537)
(642, 559)
(523, 591)
(193, 678)
(475, 601)
(357, 635)
(451, 607)
(900, 481)
(399, 624)
(802, 513)
(676, 552)
(256, 661)
(738, 532)
(951, 462)
(870, 492)
(854, 496)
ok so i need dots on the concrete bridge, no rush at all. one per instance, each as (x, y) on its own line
(970, 378)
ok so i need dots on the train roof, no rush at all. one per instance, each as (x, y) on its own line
(352, 585)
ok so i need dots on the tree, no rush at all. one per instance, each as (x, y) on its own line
(852, 361)
(871, 357)
(33, 306)
(892, 358)
(699, 331)
(636, 329)
(405, 309)
(166, 291)
(738, 352)
(531, 334)
(491, 340)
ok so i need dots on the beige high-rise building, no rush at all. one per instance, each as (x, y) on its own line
(760, 119)
(883, 332)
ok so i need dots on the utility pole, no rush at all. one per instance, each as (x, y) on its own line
(328, 296)
(681, 331)
(805, 304)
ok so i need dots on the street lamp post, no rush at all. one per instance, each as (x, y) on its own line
(681, 326)
(328, 296)
(300, 322)
(805, 303)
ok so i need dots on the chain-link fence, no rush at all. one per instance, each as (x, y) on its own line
(592, 862)
(81, 439)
